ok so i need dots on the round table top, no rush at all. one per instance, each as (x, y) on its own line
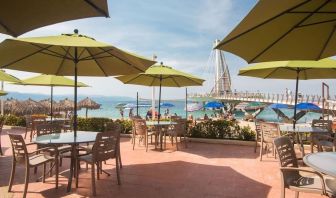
(161, 123)
(302, 129)
(323, 162)
(67, 138)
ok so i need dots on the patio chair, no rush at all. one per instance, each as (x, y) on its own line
(269, 131)
(31, 159)
(173, 118)
(52, 128)
(140, 130)
(68, 125)
(323, 141)
(105, 147)
(291, 175)
(258, 134)
(36, 120)
(29, 125)
(178, 130)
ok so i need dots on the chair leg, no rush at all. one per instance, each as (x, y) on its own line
(98, 168)
(134, 141)
(51, 168)
(283, 192)
(93, 180)
(26, 182)
(43, 175)
(119, 155)
(35, 170)
(296, 194)
(11, 179)
(185, 141)
(261, 150)
(57, 170)
(176, 142)
(26, 133)
(117, 169)
(146, 141)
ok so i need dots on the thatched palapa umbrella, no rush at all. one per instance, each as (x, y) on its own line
(13, 106)
(88, 103)
(65, 105)
(31, 107)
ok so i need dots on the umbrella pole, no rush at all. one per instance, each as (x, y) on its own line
(86, 112)
(159, 114)
(75, 101)
(296, 97)
(186, 102)
(51, 103)
(137, 103)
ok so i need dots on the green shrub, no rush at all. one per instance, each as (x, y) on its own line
(97, 124)
(13, 120)
(246, 134)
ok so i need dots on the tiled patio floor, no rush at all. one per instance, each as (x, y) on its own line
(201, 170)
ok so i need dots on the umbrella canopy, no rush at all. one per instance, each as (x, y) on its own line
(50, 80)
(7, 77)
(167, 105)
(322, 69)
(214, 104)
(278, 106)
(307, 106)
(284, 30)
(3, 93)
(169, 77)
(304, 70)
(18, 17)
(69, 54)
(160, 75)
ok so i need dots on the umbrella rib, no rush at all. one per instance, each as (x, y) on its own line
(66, 51)
(317, 23)
(81, 53)
(97, 63)
(176, 82)
(287, 32)
(327, 41)
(97, 8)
(93, 56)
(60, 66)
(8, 29)
(131, 79)
(122, 60)
(263, 23)
(24, 57)
(151, 84)
(271, 72)
(52, 52)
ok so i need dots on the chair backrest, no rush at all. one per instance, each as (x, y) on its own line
(269, 131)
(326, 124)
(174, 118)
(28, 120)
(19, 149)
(44, 129)
(140, 127)
(181, 126)
(286, 152)
(106, 145)
(257, 129)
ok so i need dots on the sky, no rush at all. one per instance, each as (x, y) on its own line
(179, 33)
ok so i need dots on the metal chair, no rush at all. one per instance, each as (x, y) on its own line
(269, 131)
(105, 147)
(29, 125)
(291, 174)
(323, 141)
(258, 134)
(36, 120)
(140, 130)
(32, 159)
(178, 130)
(1, 126)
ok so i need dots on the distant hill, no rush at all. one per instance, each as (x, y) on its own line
(98, 98)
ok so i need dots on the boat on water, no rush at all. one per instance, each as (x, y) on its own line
(194, 107)
(131, 105)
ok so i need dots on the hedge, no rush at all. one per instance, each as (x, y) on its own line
(220, 129)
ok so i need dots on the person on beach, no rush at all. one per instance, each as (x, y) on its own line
(148, 114)
(206, 117)
(130, 114)
(121, 113)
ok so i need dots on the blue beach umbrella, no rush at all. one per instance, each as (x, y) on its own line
(278, 106)
(166, 105)
(214, 104)
(307, 106)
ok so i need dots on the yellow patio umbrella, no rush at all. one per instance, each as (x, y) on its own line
(18, 17)
(298, 70)
(285, 30)
(7, 78)
(50, 81)
(69, 55)
(160, 75)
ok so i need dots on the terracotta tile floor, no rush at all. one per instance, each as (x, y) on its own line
(201, 170)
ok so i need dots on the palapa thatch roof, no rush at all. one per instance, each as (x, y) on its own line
(33, 107)
(88, 104)
(65, 105)
(13, 106)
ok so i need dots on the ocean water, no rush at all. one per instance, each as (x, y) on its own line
(109, 110)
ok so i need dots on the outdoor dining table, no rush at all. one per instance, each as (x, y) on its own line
(323, 162)
(159, 126)
(68, 138)
(299, 130)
